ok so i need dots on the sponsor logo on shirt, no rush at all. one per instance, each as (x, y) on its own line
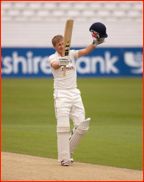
(69, 68)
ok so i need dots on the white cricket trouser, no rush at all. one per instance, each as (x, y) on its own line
(68, 104)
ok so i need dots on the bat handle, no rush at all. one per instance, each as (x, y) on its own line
(64, 70)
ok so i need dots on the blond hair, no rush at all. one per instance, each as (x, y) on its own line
(56, 39)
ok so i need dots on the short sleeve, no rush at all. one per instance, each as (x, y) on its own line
(51, 59)
(74, 53)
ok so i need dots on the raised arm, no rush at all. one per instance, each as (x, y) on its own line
(87, 50)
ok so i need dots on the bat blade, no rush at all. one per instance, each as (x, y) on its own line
(67, 40)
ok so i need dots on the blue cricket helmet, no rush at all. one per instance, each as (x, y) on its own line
(100, 28)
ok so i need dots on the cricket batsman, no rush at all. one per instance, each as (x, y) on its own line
(67, 98)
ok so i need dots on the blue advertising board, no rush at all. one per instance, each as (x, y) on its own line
(102, 62)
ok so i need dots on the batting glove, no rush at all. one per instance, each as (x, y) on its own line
(96, 38)
(63, 61)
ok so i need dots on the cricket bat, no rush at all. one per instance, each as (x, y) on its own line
(67, 40)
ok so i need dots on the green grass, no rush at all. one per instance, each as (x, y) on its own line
(115, 106)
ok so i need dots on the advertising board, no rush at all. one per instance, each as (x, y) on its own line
(102, 62)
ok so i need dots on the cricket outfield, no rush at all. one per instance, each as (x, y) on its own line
(115, 106)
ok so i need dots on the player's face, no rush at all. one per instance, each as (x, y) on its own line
(59, 46)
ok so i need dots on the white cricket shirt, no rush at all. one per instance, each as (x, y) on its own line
(68, 81)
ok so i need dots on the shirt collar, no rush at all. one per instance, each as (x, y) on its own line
(58, 54)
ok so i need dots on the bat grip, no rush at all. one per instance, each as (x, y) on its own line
(64, 70)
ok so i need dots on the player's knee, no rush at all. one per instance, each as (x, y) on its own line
(63, 125)
(83, 127)
(62, 112)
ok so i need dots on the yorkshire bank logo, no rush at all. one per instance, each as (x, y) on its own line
(106, 62)
(135, 61)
